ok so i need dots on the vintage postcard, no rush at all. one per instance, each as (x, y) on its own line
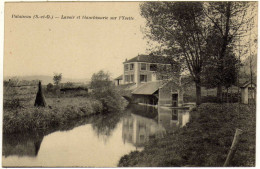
(130, 84)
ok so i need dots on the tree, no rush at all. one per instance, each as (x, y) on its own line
(104, 91)
(57, 78)
(212, 76)
(179, 25)
(230, 21)
(100, 80)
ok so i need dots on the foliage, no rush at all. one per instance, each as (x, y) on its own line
(100, 80)
(230, 22)
(179, 27)
(49, 87)
(57, 78)
(60, 111)
(201, 33)
(105, 91)
(213, 76)
(205, 141)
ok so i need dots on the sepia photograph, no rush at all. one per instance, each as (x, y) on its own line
(129, 84)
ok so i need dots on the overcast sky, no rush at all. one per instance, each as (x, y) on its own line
(77, 48)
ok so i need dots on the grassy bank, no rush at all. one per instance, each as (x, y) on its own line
(58, 112)
(205, 141)
(20, 115)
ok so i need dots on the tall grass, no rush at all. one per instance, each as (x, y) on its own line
(20, 115)
(36, 119)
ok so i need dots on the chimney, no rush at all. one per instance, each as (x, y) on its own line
(126, 60)
(138, 57)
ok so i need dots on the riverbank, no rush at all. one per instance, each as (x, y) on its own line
(205, 141)
(58, 112)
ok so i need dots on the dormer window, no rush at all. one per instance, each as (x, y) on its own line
(143, 66)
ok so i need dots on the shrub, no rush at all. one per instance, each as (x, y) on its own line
(49, 87)
(110, 99)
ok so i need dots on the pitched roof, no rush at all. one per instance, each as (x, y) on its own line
(148, 88)
(149, 59)
(119, 77)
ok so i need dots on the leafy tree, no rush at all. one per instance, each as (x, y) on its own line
(230, 22)
(179, 25)
(212, 77)
(191, 27)
(100, 80)
(104, 91)
(57, 78)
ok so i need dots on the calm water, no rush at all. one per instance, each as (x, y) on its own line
(96, 142)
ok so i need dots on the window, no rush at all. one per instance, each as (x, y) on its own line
(126, 67)
(143, 78)
(143, 66)
(131, 78)
(153, 67)
(131, 66)
(127, 78)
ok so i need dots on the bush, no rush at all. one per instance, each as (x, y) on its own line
(110, 99)
(49, 87)
(105, 92)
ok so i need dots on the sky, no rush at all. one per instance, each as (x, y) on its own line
(77, 48)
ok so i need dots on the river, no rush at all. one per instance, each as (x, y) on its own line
(99, 141)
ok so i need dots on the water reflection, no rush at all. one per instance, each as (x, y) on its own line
(99, 141)
(137, 129)
(104, 125)
(171, 119)
(22, 144)
(144, 122)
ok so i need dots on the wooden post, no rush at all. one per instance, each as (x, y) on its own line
(40, 100)
(233, 147)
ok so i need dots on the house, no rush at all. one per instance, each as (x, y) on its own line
(142, 69)
(147, 93)
(149, 87)
(248, 92)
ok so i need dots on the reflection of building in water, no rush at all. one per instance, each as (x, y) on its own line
(137, 129)
(21, 145)
(171, 119)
